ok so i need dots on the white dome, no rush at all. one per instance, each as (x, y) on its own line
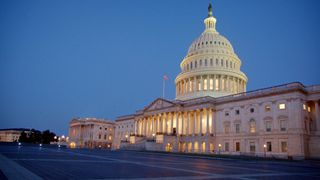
(211, 68)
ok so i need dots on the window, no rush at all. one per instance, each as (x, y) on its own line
(199, 86)
(191, 65)
(195, 64)
(211, 62)
(211, 84)
(282, 106)
(237, 146)
(268, 126)
(110, 138)
(252, 147)
(190, 86)
(226, 146)
(217, 62)
(205, 83)
(200, 63)
(221, 62)
(105, 136)
(237, 112)
(284, 146)
(100, 128)
(283, 125)
(252, 110)
(226, 113)
(269, 147)
(222, 84)
(99, 136)
(237, 128)
(267, 108)
(205, 62)
(217, 84)
(226, 128)
(304, 107)
(309, 109)
(252, 126)
(105, 129)
(188, 67)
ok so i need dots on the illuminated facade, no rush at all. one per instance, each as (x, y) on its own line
(12, 135)
(91, 133)
(213, 113)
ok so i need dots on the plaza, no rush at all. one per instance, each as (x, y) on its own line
(34, 162)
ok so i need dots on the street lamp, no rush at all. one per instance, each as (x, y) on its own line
(126, 137)
(153, 135)
(264, 148)
(219, 148)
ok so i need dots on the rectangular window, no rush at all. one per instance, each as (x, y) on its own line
(252, 147)
(199, 86)
(217, 84)
(200, 64)
(237, 146)
(226, 146)
(267, 108)
(226, 113)
(282, 106)
(237, 128)
(205, 62)
(227, 129)
(283, 125)
(105, 136)
(205, 83)
(211, 84)
(304, 107)
(284, 146)
(237, 112)
(268, 126)
(309, 109)
(269, 146)
(211, 62)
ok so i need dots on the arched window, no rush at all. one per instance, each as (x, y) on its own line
(195, 64)
(252, 124)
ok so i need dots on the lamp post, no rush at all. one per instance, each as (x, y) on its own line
(264, 148)
(219, 148)
(153, 135)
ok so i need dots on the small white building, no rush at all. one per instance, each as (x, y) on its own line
(91, 133)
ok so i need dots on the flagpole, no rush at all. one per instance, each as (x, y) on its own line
(163, 87)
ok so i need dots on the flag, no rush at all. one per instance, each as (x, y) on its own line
(165, 77)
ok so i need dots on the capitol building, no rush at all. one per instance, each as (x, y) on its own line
(214, 114)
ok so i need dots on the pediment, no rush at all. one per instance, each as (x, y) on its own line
(159, 104)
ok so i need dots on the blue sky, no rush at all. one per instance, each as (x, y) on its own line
(65, 59)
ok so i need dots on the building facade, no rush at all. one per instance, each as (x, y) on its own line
(12, 135)
(213, 113)
(91, 133)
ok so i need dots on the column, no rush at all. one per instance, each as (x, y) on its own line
(166, 123)
(213, 121)
(177, 121)
(220, 83)
(171, 127)
(214, 82)
(188, 123)
(194, 84)
(208, 132)
(158, 123)
(182, 123)
(201, 83)
(201, 122)
(194, 122)
(317, 115)
(208, 83)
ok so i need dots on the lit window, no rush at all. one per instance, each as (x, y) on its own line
(211, 84)
(217, 84)
(304, 107)
(267, 108)
(190, 86)
(222, 84)
(205, 87)
(282, 106)
(309, 109)
(110, 138)
(284, 146)
(252, 126)
(199, 86)
(268, 126)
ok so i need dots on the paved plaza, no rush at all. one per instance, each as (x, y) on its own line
(33, 162)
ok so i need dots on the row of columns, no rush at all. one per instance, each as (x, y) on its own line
(210, 83)
(181, 123)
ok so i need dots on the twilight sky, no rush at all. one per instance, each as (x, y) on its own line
(79, 58)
